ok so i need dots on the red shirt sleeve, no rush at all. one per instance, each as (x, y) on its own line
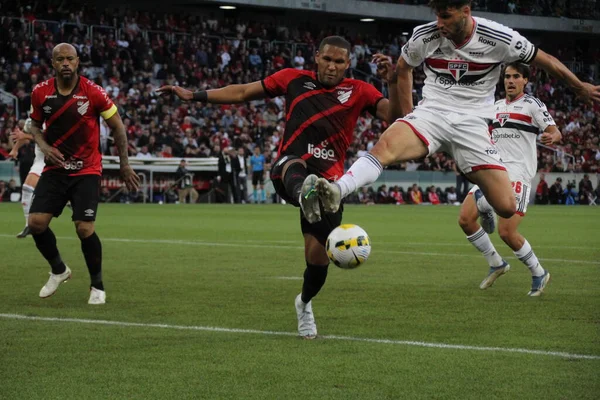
(372, 96)
(276, 84)
(100, 100)
(36, 113)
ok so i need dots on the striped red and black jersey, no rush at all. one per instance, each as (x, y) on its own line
(320, 121)
(72, 124)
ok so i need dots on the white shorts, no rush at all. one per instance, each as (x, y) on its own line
(38, 162)
(521, 190)
(465, 137)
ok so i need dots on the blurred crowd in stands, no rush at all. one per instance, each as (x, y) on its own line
(131, 53)
(584, 9)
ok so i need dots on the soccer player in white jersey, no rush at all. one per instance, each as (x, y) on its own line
(462, 57)
(20, 138)
(519, 118)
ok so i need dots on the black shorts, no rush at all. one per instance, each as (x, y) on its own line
(258, 178)
(53, 191)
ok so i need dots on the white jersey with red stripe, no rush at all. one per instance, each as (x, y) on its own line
(515, 128)
(462, 77)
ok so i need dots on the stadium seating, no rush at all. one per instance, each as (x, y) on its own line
(130, 54)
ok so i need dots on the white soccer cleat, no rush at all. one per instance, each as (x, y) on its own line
(538, 284)
(330, 195)
(495, 273)
(486, 212)
(307, 328)
(97, 296)
(54, 282)
(309, 200)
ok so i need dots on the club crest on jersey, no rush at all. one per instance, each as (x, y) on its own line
(458, 69)
(344, 95)
(502, 118)
(47, 109)
(82, 109)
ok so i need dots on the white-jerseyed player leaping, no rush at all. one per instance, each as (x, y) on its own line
(462, 57)
(518, 119)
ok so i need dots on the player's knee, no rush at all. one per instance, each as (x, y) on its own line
(84, 229)
(507, 208)
(467, 223)
(37, 224)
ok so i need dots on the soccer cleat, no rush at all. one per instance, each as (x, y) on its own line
(307, 328)
(309, 200)
(486, 212)
(26, 231)
(538, 283)
(54, 282)
(330, 195)
(495, 273)
(97, 296)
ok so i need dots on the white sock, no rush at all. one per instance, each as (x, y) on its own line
(528, 257)
(364, 171)
(26, 195)
(482, 242)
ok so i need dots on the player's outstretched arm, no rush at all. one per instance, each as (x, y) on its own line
(131, 179)
(404, 73)
(227, 95)
(586, 91)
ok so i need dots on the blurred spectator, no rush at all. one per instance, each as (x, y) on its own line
(415, 196)
(185, 181)
(556, 192)
(432, 196)
(541, 192)
(585, 190)
(365, 196)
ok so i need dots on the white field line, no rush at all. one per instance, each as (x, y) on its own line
(328, 337)
(280, 246)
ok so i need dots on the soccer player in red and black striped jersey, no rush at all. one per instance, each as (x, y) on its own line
(70, 106)
(322, 108)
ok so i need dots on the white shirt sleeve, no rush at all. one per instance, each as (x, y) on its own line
(423, 42)
(540, 116)
(520, 48)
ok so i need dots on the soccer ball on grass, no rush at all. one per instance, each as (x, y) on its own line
(348, 246)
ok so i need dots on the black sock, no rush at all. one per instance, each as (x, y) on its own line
(46, 244)
(314, 279)
(92, 251)
(293, 179)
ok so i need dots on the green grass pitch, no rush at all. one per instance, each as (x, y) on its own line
(200, 305)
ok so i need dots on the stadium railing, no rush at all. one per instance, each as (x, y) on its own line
(556, 153)
(8, 98)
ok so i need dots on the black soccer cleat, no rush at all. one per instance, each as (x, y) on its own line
(26, 231)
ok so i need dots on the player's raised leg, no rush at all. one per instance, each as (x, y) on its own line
(508, 231)
(400, 142)
(481, 241)
(496, 188)
(290, 176)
